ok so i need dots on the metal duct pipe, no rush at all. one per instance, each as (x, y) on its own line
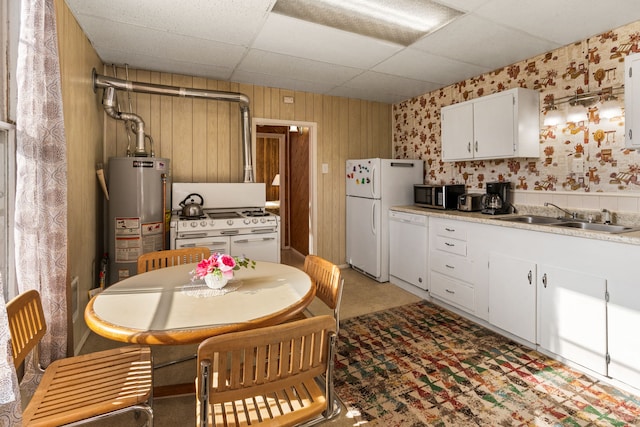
(110, 107)
(105, 82)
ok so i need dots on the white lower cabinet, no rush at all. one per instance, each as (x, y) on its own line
(512, 295)
(572, 316)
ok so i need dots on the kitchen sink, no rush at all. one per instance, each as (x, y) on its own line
(569, 223)
(609, 228)
(532, 219)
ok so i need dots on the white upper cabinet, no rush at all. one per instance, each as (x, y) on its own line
(502, 125)
(632, 100)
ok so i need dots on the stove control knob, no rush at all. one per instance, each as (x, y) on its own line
(212, 223)
(203, 223)
(229, 222)
(193, 224)
(254, 220)
(247, 221)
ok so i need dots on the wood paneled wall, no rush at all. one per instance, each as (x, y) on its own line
(203, 140)
(83, 121)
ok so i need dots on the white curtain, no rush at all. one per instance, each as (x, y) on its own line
(41, 166)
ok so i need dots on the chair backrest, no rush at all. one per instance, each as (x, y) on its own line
(329, 282)
(161, 259)
(258, 361)
(27, 325)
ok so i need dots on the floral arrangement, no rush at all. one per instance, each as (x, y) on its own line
(222, 266)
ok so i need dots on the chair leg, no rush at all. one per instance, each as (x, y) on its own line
(146, 409)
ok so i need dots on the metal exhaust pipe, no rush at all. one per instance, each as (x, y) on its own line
(105, 82)
(110, 107)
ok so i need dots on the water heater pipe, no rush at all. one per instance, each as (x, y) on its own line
(110, 107)
(104, 82)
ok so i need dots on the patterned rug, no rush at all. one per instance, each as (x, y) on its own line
(421, 365)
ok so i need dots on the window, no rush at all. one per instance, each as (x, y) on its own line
(7, 191)
(9, 30)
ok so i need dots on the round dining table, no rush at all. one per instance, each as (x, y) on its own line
(166, 307)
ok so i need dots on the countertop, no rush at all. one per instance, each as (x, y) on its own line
(632, 238)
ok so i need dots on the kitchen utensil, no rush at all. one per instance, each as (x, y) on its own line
(190, 208)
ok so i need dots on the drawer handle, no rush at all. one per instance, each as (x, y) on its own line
(449, 291)
(450, 229)
(544, 279)
(530, 277)
(449, 244)
(449, 266)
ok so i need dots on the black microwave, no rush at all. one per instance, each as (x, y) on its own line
(437, 196)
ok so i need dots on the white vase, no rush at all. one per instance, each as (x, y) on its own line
(215, 282)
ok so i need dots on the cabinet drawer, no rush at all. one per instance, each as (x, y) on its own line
(452, 291)
(449, 265)
(450, 245)
(453, 230)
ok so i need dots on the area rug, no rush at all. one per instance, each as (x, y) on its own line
(421, 365)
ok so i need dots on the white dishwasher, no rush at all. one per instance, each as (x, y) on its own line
(408, 247)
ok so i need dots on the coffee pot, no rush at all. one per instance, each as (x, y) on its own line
(497, 199)
(491, 201)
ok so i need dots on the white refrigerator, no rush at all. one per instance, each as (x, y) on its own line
(373, 186)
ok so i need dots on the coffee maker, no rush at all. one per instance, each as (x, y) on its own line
(497, 200)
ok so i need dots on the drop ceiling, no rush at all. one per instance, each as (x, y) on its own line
(246, 42)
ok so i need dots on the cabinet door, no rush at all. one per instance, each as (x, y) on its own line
(512, 295)
(494, 127)
(624, 341)
(572, 316)
(632, 100)
(457, 132)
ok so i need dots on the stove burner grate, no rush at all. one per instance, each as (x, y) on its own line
(256, 213)
(186, 218)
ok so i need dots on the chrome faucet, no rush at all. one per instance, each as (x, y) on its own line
(573, 215)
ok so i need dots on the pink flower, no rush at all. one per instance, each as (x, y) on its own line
(221, 265)
(226, 264)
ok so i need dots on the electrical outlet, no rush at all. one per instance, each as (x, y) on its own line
(577, 166)
(325, 168)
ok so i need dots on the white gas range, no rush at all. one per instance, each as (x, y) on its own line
(233, 220)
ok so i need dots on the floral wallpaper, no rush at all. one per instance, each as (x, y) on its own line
(586, 156)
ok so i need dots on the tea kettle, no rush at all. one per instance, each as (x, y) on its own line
(190, 208)
(491, 201)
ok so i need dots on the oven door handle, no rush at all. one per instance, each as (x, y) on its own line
(263, 239)
(204, 243)
(229, 232)
(192, 235)
(263, 231)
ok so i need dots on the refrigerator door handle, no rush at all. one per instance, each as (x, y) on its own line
(373, 182)
(373, 219)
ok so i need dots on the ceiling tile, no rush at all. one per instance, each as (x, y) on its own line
(259, 61)
(293, 37)
(153, 43)
(418, 65)
(563, 22)
(222, 20)
(481, 42)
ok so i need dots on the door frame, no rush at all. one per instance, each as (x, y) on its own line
(313, 168)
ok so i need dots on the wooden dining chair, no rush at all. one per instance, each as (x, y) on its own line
(161, 259)
(329, 283)
(267, 376)
(80, 389)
